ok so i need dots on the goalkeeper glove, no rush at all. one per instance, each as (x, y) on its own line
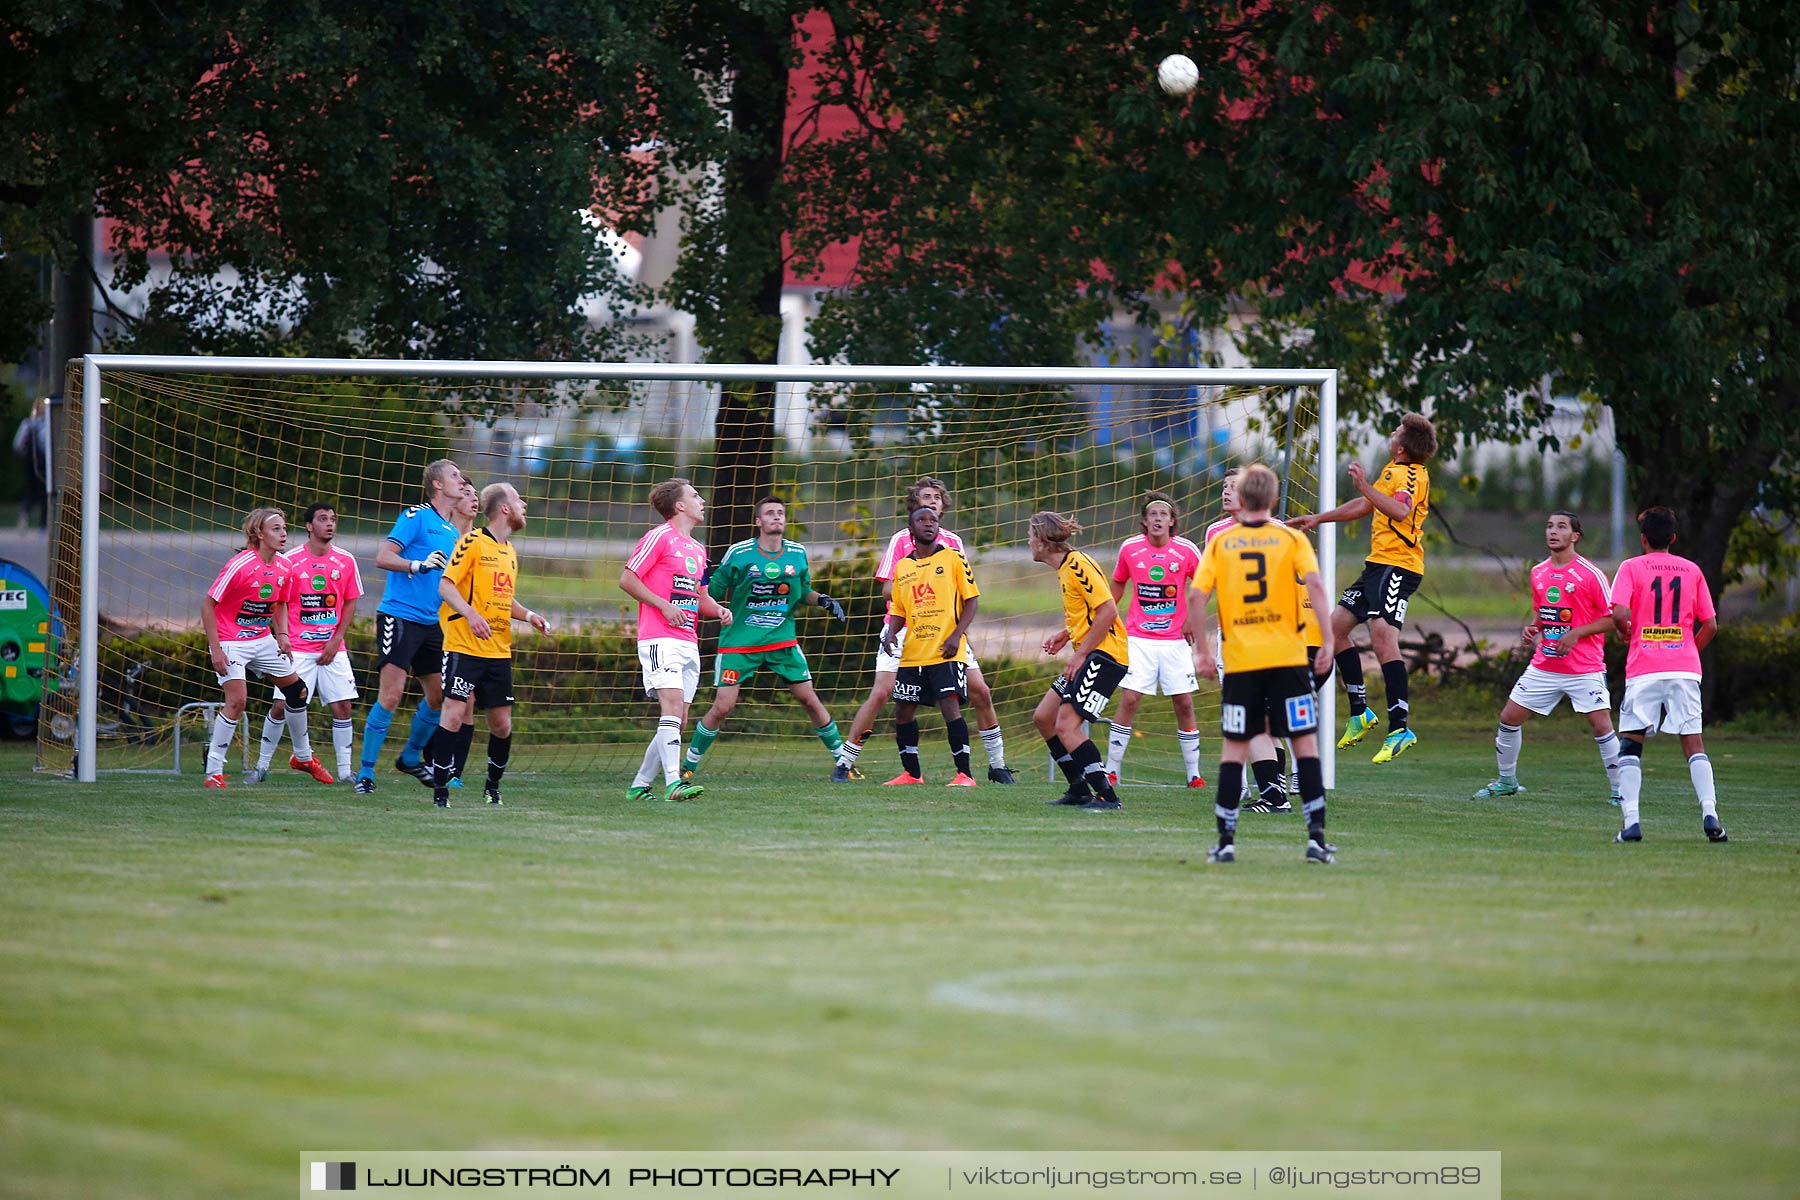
(831, 606)
(435, 561)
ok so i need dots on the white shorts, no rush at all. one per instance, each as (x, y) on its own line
(259, 654)
(889, 664)
(1673, 700)
(1541, 691)
(330, 683)
(1160, 666)
(670, 663)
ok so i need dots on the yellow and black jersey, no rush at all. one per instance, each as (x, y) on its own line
(485, 571)
(1084, 590)
(930, 593)
(1401, 543)
(1256, 572)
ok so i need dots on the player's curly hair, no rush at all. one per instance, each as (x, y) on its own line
(1418, 437)
(915, 493)
(1054, 528)
(1158, 496)
(257, 521)
(667, 494)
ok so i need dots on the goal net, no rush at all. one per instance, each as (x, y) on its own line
(154, 482)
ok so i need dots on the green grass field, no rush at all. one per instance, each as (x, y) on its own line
(198, 985)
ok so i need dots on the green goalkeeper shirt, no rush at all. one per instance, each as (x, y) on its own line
(761, 590)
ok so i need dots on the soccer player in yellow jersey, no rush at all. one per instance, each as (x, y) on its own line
(1397, 503)
(934, 601)
(478, 610)
(1099, 663)
(1263, 572)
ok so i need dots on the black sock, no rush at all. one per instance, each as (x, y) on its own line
(1393, 674)
(1071, 772)
(1281, 766)
(465, 737)
(440, 756)
(1349, 664)
(1312, 794)
(1093, 769)
(1225, 807)
(958, 733)
(907, 738)
(1269, 784)
(499, 754)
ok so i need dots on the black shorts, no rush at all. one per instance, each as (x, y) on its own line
(488, 680)
(1278, 698)
(414, 645)
(929, 684)
(1092, 686)
(1381, 591)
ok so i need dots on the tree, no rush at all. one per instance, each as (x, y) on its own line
(1451, 205)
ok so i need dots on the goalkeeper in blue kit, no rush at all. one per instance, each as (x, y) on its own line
(762, 580)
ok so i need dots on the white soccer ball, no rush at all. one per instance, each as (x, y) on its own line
(1177, 74)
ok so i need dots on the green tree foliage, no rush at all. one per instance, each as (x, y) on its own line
(1449, 203)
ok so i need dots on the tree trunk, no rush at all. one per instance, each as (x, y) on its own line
(749, 325)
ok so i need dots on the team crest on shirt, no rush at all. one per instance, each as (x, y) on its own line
(788, 570)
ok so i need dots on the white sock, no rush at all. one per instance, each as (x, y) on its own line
(1117, 742)
(1631, 781)
(849, 752)
(271, 738)
(1609, 758)
(223, 730)
(652, 761)
(668, 729)
(1700, 771)
(1190, 751)
(342, 734)
(296, 723)
(995, 746)
(1506, 749)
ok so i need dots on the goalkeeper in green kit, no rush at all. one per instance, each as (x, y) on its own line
(762, 580)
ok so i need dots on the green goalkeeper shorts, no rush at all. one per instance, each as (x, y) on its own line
(787, 664)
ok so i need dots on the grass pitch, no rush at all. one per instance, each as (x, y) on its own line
(198, 984)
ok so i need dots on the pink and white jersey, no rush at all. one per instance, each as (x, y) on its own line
(1561, 598)
(245, 594)
(901, 545)
(318, 587)
(671, 564)
(1158, 578)
(1216, 528)
(1667, 595)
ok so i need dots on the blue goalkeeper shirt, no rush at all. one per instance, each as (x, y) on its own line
(418, 532)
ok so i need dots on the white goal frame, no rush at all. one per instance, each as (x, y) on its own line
(95, 366)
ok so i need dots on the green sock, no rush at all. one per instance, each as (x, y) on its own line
(703, 740)
(828, 733)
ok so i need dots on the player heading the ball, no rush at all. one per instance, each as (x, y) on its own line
(479, 605)
(246, 621)
(1091, 622)
(935, 599)
(1571, 612)
(1397, 503)
(1664, 610)
(763, 580)
(666, 576)
(1260, 569)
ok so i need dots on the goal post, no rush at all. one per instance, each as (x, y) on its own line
(1013, 438)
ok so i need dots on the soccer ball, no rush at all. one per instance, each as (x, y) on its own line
(1177, 74)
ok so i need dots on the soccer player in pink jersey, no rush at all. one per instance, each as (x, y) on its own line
(934, 494)
(1664, 610)
(323, 586)
(1157, 566)
(246, 620)
(665, 575)
(1571, 610)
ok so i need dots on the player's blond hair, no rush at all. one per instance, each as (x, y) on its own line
(667, 494)
(1418, 437)
(493, 496)
(1257, 488)
(436, 472)
(1054, 528)
(257, 521)
(916, 493)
